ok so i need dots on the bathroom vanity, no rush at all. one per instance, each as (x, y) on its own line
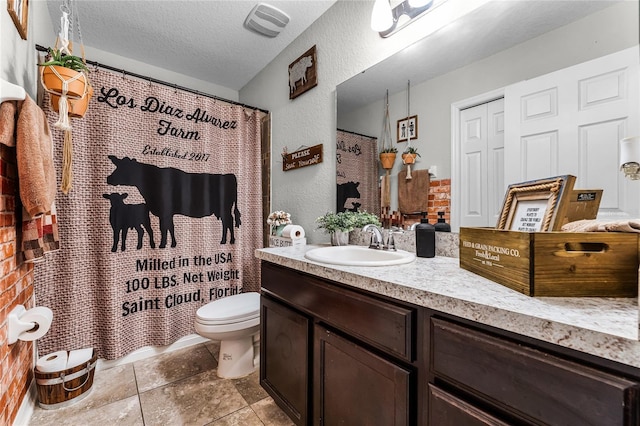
(428, 343)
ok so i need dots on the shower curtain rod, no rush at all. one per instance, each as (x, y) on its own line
(164, 83)
(357, 134)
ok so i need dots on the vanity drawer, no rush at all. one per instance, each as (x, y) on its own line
(448, 410)
(386, 325)
(528, 383)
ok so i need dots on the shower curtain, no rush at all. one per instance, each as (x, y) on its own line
(164, 216)
(357, 173)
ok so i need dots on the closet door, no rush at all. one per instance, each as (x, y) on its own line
(482, 163)
(571, 122)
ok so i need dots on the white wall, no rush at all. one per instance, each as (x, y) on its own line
(607, 31)
(346, 45)
(17, 56)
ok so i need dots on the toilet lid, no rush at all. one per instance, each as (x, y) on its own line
(236, 308)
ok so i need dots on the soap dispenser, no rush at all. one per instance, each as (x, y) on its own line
(425, 239)
(442, 226)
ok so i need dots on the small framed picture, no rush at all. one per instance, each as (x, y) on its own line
(535, 206)
(407, 128)
(19, 12)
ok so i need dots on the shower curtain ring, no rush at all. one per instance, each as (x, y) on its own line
(123, 73)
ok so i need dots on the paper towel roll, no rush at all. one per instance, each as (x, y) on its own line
(79, 356)
(295, 232)
(42, 317)
(56, 361)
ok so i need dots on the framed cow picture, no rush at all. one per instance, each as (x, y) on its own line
(303, 73)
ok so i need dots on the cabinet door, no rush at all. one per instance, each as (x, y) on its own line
(284, 360)
(447, 410)
(353, 386)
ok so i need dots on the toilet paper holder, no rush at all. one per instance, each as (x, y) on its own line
(15, 327)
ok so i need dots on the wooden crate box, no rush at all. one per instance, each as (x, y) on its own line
(567, 264)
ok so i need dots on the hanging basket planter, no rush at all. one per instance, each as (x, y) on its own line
(54, 77)
(77, 107)
(387, 159)
(408, 158)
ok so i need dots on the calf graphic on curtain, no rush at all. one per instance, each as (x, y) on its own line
(123, 217)
(168, 191)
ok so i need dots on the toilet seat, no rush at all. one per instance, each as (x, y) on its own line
(230, 310)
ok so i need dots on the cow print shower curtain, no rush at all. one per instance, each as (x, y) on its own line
(164, 216)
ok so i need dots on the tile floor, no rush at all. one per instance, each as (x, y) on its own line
(176, 388)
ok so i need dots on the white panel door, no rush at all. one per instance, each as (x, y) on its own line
(473, 143)
(495, 164)
(482, 163)
(571, 122)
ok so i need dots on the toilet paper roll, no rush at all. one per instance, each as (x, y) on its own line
(79, 356)
(42, 317)
(295, 232)
(56, 361)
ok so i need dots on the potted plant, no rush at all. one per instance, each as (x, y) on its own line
(62, 67)
(409, 155)
(388, 157)
(340, 224)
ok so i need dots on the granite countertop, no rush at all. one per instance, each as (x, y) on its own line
(604, 327)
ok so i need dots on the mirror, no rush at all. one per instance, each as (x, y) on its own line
(496, 45)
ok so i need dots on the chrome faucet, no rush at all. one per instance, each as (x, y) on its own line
(377, 240)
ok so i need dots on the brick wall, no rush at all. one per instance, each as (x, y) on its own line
(16, 288)
(439, 200)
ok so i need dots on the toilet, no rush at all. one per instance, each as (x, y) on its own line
(235, 322)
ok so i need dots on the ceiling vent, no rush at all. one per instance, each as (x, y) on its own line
(266, 20)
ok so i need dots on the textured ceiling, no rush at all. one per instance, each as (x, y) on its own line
(203, 39)
(491, 28)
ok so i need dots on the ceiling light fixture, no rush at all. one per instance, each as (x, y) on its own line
(385, 20)
(266, 20)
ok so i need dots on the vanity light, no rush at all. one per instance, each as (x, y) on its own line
(385, 19)
(381, 16)
(630, 157)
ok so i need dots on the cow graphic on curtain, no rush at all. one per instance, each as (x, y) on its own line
(169, 191)
(356, 173)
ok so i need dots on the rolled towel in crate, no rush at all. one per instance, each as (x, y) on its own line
(593, 225)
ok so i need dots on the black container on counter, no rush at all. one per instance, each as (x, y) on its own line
(442, 226)
(425, 239)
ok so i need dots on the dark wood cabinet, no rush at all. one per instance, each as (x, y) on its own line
(528, 384)
(353, 386)
(284, 358)
(361, 352)
(335, 355)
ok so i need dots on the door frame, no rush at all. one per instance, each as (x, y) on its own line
(456, 109)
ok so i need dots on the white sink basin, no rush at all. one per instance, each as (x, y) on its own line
(359, 256)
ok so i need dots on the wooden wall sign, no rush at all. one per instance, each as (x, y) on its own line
(303, 73)
(302, 158)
